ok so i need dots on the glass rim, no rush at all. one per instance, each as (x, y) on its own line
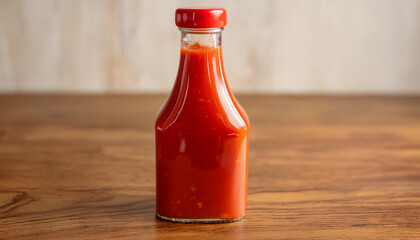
(201, 30)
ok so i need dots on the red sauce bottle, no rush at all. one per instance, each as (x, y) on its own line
(201, 131)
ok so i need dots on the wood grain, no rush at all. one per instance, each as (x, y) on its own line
(82, 167)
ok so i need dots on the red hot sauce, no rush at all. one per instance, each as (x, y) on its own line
(201, 131)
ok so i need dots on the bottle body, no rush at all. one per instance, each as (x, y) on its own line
(201, 141)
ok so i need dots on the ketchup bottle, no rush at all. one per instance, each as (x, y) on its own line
(201, 131)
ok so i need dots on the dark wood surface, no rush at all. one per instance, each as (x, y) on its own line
(82, 167)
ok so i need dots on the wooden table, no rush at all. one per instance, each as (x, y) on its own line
(82, 167)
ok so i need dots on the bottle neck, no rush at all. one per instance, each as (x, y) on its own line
(201, 63)
(195, 38)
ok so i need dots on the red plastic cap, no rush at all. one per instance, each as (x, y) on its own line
(200, 17)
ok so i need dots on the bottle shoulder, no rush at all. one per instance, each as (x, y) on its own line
(201, 97)
(203, 115)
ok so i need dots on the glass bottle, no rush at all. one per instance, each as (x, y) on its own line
(201, 131)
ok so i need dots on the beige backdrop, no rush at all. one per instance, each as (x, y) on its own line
(286, 46)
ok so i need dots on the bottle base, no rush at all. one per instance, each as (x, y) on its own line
(200, 220)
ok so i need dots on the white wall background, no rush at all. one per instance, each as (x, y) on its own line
(280, 46)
